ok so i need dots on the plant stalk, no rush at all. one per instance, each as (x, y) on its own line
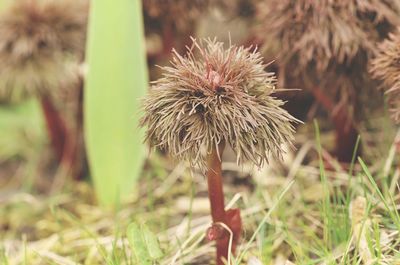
(230, 218)
(346, 135)
(56, 127)
(74, 153)
(345, 132)
(215, 189)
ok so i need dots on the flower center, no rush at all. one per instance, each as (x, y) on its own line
(215, 79)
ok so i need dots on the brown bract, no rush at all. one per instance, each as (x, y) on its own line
(40, 43)
(214, 95)
(386, 67)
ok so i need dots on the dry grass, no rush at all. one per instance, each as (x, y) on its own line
(294, 213)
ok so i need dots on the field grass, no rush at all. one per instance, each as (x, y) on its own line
(307, 210)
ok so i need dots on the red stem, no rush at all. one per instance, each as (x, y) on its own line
(74, 153)
(215, 190)
(325, 101)
(346, 133)
(56, 127)
(231, 218)
(168, 38)
(80, 148)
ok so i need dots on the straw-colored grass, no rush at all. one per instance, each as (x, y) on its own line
(305, 211)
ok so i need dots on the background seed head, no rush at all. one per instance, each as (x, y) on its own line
(326, 32)
(41, 42)
(386, 67)
(327, 44)
(214, 95)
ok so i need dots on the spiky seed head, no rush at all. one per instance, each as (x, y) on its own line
(214, 95)
(386, 67)
(40, 43)
(69, 22)
(319, 34)
(327, 44)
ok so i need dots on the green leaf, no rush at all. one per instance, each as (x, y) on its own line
(144, 244)
(116, 80)
(151, 242)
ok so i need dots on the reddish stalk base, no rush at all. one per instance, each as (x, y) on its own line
(230, 218)
(168, 38)
(74, 156)
(56, 127)
(346, 136)
(346, 133)
(65, 142)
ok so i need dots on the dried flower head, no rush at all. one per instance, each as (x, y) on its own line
(327, 43)
(386, 67)
(40, 42)
(325, 32)
(217, 96)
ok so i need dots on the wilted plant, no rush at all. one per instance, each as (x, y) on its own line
(211, 98)
(386, 67)
(41, 44)
(324, 46)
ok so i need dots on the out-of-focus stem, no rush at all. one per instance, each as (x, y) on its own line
(346, 133)
(56, 127)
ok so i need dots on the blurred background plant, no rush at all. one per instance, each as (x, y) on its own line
(324, 47)
(386, 67)
(41, 47)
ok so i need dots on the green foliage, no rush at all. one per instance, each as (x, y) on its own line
(3, 257)
(144, 244)
(3, 4)
(21, 130)
(388, 201)
(117, 79)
